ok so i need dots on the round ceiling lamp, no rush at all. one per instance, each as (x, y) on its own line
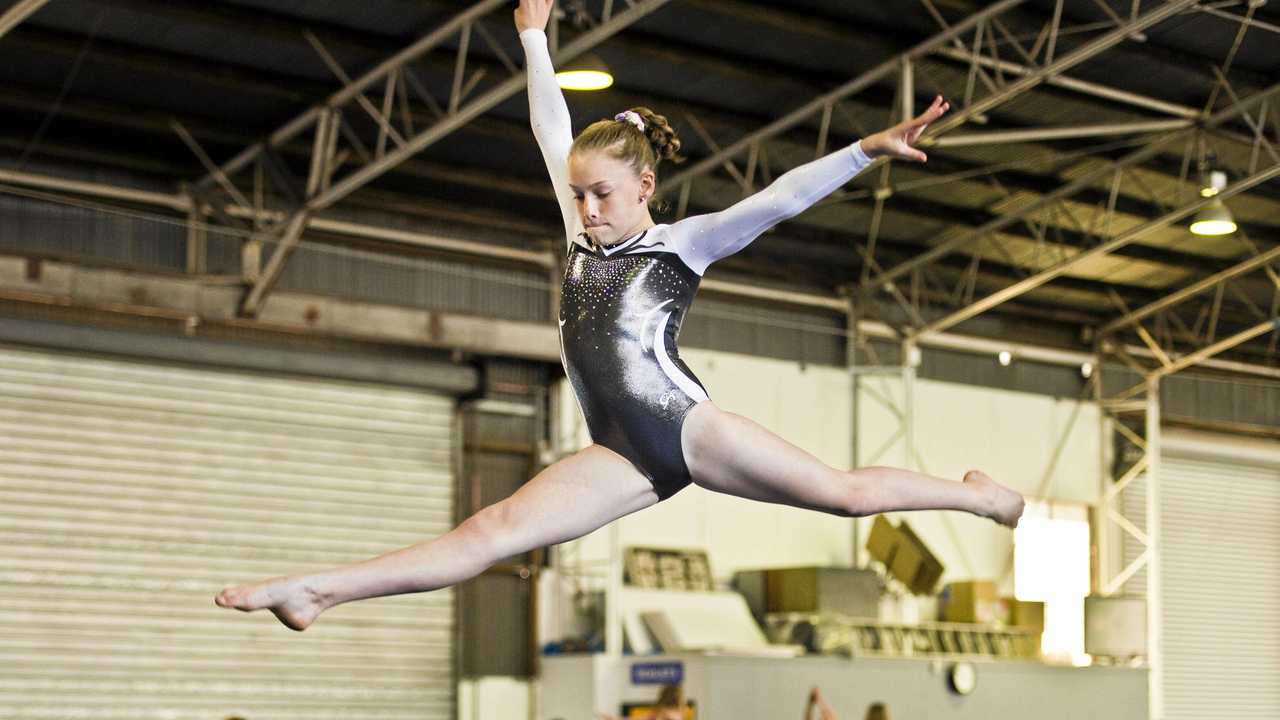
(588, 72)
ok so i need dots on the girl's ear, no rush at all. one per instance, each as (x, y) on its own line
(648, 182)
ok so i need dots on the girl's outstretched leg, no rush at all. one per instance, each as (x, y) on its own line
(565, 501)
(729, 453)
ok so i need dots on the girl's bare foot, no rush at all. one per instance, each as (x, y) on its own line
(292, 600)
(1002, 504)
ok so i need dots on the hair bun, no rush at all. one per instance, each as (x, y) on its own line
(665, 142)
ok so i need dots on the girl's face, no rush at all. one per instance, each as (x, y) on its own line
(612, 200)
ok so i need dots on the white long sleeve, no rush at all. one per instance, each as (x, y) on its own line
(703, 239)
(552, 127)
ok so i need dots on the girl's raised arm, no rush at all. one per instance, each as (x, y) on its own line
(548, 113)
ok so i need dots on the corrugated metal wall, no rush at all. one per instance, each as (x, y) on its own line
(35, 226)
(1201, 396)
(806, 335)
(133, 492)
(1221, 574)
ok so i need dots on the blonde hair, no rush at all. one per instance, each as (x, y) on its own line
(622, 140)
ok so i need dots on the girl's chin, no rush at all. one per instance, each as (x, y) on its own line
(606, 237)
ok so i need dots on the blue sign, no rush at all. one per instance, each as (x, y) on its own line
(667, 673)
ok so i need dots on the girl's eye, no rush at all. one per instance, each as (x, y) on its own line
(602, 195)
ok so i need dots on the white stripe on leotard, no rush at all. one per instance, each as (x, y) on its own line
(682, 381)
(644, 324)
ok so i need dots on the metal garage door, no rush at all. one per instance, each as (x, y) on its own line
(130, 493)
(1221, 562)
(1220, 619)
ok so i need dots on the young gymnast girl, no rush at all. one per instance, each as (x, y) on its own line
(627, 287)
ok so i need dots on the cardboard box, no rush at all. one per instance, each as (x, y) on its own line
(972, 601)
(930, 568)
(883, 540)
(904, 555)
(1022, 613)
(855, 593)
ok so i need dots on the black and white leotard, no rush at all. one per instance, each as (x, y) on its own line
(622, 305)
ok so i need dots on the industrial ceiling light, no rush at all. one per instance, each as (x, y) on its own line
(588, 72)
(1005, 357)
(1214, 218)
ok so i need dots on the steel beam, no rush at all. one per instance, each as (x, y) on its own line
(1088, 50)
(1221, 346)
(1120, 240)
(327, 192)
(869, 328)
(934, 44)
(818, 105)
(1103, 92)
(1141, 155)
(18, 12)
(1172, 299)
(1059, 133)
(1137, 157)
(1155, 147)
(1155, 565)
(299, 124)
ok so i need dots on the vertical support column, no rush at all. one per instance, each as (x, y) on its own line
(1104, 529)
(910, 359)
(907, 91)
(556, 410)
(853, 339)
(1155, 608)
(613, 595)
(197, 237)
(251, 260)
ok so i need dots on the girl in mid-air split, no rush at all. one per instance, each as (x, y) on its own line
(628, 285)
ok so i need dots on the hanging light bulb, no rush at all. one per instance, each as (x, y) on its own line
(588, 72)
(1214, 218)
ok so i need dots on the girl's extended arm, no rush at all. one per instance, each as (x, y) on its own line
(706, 238)
(703, 239)
(549, 117)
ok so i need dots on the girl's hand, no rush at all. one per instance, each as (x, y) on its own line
(898, 141)
(533, 14)
(824, 710)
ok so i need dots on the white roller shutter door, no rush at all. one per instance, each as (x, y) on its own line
(1220, 620)
(130, 493)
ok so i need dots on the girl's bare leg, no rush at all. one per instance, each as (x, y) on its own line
(729, 453)
(565, 501)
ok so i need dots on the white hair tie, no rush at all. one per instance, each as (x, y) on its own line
(632, 117)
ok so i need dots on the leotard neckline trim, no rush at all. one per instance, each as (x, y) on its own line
(615, 248)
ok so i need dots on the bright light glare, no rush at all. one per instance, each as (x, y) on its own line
(1213, 227)
(584, 80)
(1051, 564)
(1005, 357)
(1051, 558)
